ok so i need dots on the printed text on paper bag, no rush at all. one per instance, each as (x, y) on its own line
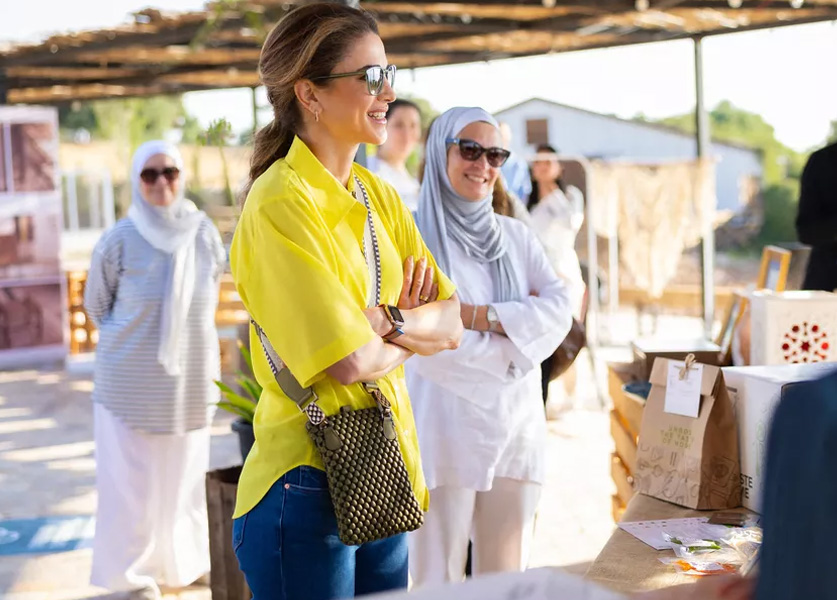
(678, 437)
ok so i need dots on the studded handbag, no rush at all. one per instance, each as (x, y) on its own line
(367, 479)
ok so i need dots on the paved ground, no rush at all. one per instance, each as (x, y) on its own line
(47, 468)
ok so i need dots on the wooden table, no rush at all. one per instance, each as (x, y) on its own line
(627, 565)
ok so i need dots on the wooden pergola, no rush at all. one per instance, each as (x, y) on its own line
(218, 47)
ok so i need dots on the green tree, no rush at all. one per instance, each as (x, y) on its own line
(132, 120)
(219, 134)
(780, 202)
(77, 115)
(782, 165)
(731, 124)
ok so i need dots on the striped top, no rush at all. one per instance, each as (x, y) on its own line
(124, 294)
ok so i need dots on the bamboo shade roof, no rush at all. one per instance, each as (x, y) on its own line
(218, 47)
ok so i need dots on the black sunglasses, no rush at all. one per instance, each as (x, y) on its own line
(150, 175)
(374, 76)
(471, 151)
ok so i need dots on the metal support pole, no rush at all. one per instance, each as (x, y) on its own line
(72, 201)
(108, 204)
(707, 244)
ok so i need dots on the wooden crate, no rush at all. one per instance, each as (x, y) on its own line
(629, 408)
(226, 579)
(83, 332)
(231, 309)
(622, 479)
(625, 442)
(618, 374)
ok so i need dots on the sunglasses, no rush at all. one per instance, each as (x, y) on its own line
(471, 151)
(374, 77)
(151, 176)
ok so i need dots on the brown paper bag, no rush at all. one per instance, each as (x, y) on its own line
(692, 462)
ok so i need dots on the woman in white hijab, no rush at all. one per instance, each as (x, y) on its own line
(152, 290)
(478, 409)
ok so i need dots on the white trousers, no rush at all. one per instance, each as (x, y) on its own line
(499, 522)
(151, 520)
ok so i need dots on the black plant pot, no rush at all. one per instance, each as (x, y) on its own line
(246, 438)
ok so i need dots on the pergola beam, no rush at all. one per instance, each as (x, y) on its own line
(219, 47)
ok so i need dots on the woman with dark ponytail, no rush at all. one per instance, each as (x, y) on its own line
(330, 265)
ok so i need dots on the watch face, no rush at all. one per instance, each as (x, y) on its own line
(491, 314)
(396, 314)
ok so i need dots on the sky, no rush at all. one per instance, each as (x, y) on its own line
(786, 75)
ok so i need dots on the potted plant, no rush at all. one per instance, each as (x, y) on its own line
(242, 404)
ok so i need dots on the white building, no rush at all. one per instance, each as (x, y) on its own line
(577, 132)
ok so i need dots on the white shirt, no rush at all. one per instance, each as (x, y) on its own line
(405, 184)
(479, 409)
(124, 296)
(557, 219)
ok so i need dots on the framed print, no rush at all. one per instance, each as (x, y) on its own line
(773, 274)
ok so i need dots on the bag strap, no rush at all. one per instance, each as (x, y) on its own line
(306, 398)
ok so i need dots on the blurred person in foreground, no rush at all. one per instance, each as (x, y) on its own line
(479, 418)
(403, 136)
(152, 290)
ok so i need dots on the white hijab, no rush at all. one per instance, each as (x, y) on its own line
(171, 229)
(443, 215)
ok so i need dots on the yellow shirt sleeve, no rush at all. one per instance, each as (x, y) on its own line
(288, 283)
(409, 240)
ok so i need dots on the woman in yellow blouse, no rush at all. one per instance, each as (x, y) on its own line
(298, 261)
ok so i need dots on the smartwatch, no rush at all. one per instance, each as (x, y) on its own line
(395, 319)
(492, 318)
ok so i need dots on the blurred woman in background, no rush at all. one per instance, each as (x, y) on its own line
(557, 212)
(403, 136)
(479, 418)
(152, 290)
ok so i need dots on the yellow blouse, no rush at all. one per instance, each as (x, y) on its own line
(298, 265)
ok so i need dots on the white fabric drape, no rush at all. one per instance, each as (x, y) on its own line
(657, 211)
(151, 520)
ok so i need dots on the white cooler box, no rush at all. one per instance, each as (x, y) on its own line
(793, 327)
(755, 392)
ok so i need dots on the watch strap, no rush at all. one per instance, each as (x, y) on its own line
(397, 326)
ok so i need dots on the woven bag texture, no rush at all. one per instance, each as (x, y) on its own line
(367, 479)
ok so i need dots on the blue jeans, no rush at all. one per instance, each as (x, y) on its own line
(288, 547)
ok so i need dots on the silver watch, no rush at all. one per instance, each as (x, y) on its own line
(492, 318)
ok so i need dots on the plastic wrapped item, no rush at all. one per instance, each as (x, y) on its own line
(744, 540)
(700, 566)
(685, 547)
(695, 556)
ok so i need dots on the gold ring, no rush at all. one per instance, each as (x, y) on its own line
(424, 298)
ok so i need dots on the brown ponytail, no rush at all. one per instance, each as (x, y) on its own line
(307, 43)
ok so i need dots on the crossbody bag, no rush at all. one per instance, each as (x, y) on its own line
(367, 478)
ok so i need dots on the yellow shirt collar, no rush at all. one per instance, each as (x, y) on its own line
(334, 200)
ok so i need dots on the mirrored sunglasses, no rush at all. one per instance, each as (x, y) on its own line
(374, 77)
(471, 151)
(150, 175)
